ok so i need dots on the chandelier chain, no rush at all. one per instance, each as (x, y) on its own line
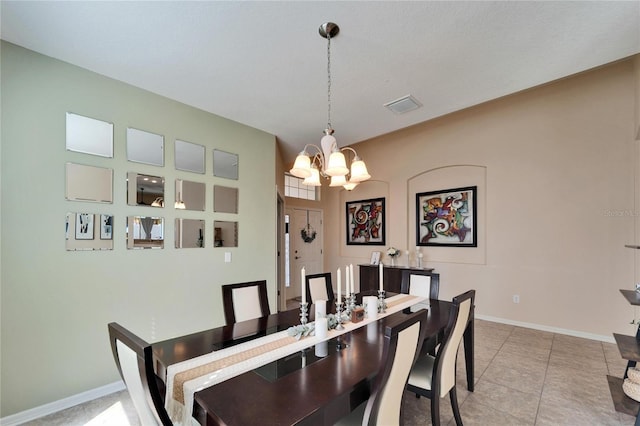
(328, 81)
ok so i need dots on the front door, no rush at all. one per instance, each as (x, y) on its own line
(305, 237)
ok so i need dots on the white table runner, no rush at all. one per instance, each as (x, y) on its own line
(230, 362)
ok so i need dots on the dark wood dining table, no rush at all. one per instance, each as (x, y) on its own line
(302, 388)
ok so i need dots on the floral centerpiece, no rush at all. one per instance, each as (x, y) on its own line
(393, 252)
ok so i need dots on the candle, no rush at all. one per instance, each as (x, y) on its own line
(304, 290)
(339, 286)
(346, 286)
(381, 275)
(351, 275)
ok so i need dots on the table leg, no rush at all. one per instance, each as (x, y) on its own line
(468, 351)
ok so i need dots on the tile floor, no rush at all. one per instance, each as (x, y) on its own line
(523, 377)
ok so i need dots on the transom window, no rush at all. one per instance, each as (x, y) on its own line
(293, 187)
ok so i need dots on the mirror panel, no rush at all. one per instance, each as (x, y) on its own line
(190, 195)
(89, 136)
(189, 233)
(225, 164)
(189, 156)
(225, 234)
(145, 190)
(88, 183)
(88, 231)
(145, 232)
(145, 147)
(225, 199)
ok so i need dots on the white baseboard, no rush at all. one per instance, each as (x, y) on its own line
(608, 339)
(62, 404)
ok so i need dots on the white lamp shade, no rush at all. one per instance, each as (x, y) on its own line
(350, 185)
(337, 165)
(302, 166)
(359, 171)
(314, 179)
(338, 181)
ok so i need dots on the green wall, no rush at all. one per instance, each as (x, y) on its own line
(56, 304)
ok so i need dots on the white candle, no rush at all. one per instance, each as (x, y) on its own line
(339, 286)
(346, 286)
(304, 291)
(381, 275)
(351, 276)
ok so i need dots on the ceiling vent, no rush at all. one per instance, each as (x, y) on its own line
(404, 104)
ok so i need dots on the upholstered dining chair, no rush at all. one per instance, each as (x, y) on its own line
(318, 287)
(402, 340)
(420, 283)
(134, 359)
(434, 377)
(245, 301)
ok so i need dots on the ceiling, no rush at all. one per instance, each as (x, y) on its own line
(264, 64)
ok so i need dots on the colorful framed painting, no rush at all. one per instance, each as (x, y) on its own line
(365, 222)
(447, 218)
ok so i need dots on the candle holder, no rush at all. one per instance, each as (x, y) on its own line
(352, 302)
(382, 305)
(339, 314)
(420, 262)
(304, 313)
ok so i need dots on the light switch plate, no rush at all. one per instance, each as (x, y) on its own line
(227, 257)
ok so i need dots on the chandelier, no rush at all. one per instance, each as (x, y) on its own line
(329, 161)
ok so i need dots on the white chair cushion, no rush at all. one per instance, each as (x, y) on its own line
(420, 285)
(246, 303)
(422, 372)
(318, 289)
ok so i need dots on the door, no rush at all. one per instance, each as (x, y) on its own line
(305, 239)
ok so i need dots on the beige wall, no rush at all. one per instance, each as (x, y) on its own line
(556, 206)
(56, 304)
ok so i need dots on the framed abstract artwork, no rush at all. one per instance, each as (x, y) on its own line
(365, 222)
(447, 218)
(84, 226)
(106, 227)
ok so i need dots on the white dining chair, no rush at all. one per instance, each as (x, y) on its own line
(402, 340)
(134, 359)
(435, 376)
(245, 301)
(319, 287)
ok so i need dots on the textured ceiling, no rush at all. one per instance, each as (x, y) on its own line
(264, 64)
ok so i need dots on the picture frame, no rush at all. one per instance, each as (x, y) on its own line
(84, 226)
(375, 258)
(365, 222)
(447, 217)
(106, 227)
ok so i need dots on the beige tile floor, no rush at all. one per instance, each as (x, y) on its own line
(522, 377)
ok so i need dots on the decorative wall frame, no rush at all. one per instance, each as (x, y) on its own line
(84, 226)
(106, 227)
(366, 222)
(447, 217)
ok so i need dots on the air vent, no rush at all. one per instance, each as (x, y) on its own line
(404, 104)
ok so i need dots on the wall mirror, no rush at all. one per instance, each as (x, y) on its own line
(189, 233)
(88, 183)
(145, 232)
(145, 147)
(225, 234)
(225, 164)
(189, 156)
(225, 199)
(89, 136)
(145, 190)
(88, 231)
(190, 195)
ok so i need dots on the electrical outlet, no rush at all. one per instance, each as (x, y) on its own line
(516, 298)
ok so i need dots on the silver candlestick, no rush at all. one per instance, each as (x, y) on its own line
(339, 314)
(382, 305)
(304, 313)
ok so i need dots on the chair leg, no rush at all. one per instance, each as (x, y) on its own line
(454, 404)
(435, 410)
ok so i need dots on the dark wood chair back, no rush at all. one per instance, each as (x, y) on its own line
(134, 359)
(319, 287)
(415, 281)
(245, 301)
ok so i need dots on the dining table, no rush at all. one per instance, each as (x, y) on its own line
(316, 385)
